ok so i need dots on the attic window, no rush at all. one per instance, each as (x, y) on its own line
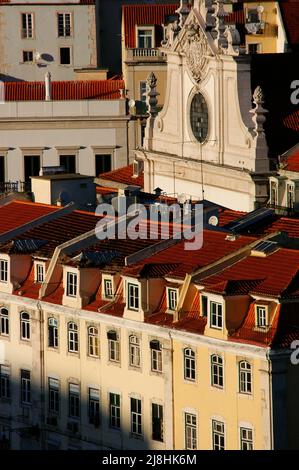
(3, 270)
(261, 317)
(264, 248)
(39, 272)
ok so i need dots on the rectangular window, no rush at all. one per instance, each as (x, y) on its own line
(103, 163)
(215, 315)
(27, 56)
(261, 317)
(65, 55)
(145, 38)
(64, 25)
(134, 351)
(52, 333)
(4, 322)
(108, 289)
(25, 387)
(254, 48)
(216, 371)
(157, 422)
(27, 25)
(143, 91)
(246, 439)
(74, 401)
(4, 382)
(68, 162)
(39, 272)
(113, 346)
(204, 306)
(218, 435)
(114, 408)
(136, 417)
(290, 196)
(172, 299)
(3, 270)
(54, 400)
(190, 431)
(156, 356)
(72, 282)
(94, 406)
(133, 297)
(31, 166)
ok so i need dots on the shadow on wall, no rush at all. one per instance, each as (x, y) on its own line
(9, 78)
(77, 424)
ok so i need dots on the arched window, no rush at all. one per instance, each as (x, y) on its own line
(217, 371)
(25, 326)
(93, 341)
(73, 337)
(52, 333)
(4, 322)
(156, 356)
(189, 364)
(245, 379)
(113, 346)
(134, 351)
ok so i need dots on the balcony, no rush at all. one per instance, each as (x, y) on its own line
(255, 28)
(144, 55)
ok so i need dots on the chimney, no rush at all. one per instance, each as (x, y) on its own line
(48, 87)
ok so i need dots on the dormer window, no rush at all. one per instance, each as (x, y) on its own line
(133, 296)
(261, 316)
(72, 284)
(290, 196)
(3, 270)
(39, 272)
(204, 306)
(216, 315)
(172, 299)
(145, 37)
(108, 289)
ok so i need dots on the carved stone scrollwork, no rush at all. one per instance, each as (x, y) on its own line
(195, 47)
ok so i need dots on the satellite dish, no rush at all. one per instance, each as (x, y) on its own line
(213, 220)
(131, 103)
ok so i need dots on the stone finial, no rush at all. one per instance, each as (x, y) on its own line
(183, 11)
(151, 94)
(258, 112)
(219, 28)
(233, 40)
(210, 18)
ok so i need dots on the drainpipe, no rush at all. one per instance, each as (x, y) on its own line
(48, 87)
(172, 390)
(270, 401)
(42, 375)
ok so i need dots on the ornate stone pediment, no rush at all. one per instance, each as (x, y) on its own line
(194, 43)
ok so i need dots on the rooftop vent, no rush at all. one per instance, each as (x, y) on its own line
(264, 248)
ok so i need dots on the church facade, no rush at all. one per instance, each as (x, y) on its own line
(208, 142)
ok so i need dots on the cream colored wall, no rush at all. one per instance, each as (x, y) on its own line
(224, 404)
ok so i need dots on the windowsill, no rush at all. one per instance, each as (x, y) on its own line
(217, 388)
(190, 381)
(96, 358)
(4, 337)
(218, 328)
(156, 373)
(135, 368)
(114, 429)
(65, 65)
(248, 396)
(136, 436)
(114, 363)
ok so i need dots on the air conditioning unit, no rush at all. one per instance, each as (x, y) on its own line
(52, 420)
(73, 427)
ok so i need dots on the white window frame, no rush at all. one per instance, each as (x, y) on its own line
(113, 347)
(245, 377)
(274, 185)
(25, 32)
(216, 325)
(156, 356)
(172, 298)
(64, 14)
(114, 411)
(93, 341)
(246, 439)
(190, 426)
(4, 321)
(132, 298)
(4, 382)
(108, 293)
(265, 323)
(136, 417)
(25, 326)
(189, 364)
(216, 367)
(145, 28)
(290, 189)
(3, 271)
(134, 351)
(73, 337)
(72, 279)
(39, 271)
(53, 324)
(219, 433)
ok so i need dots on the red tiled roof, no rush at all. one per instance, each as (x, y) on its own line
(18, 213)
(64, 91)
(227, 215)
(124, 175)
(237, 17)
(144, 15)
(292, 120)
(67, 2)
(274, 273)
(292, 162)
(103, 190)
(290, 16)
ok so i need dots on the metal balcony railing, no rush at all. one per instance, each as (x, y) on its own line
(14, 187)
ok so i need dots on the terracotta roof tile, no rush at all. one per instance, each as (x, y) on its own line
(64, 91)
(124, 175)
(145, 15)
(17, 213)
(292, 120)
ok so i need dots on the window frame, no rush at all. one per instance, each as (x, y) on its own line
(74, 402)
(140, 28)
(157, 422)
(258, 309)
(25, 388)
(3, 271)
(215, 315)
(4, 322)
(23, 31)
(93, 341)
(37, 274)
(156, 356)
(5, 386)
(107, 295)
(216, 367)
(190, 429)
(245, 377)
(94, 411)
(53, 327)
(246, 440)
(220, 434)
(72, 287)
(64, 14)
(71, 58)
(134, 351)
(171, 301)
(73, 337)
(136, 299)
(189, 365)
(53, 396)
(113, 346)
(114, 411)
(25, 326)
(136, 417)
